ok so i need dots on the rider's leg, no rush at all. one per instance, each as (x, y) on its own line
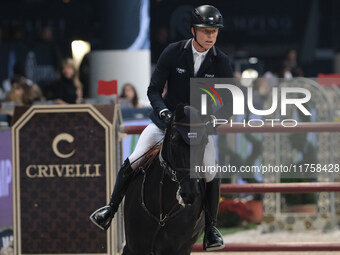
(104, 215)
(149, 137)
(213, 239)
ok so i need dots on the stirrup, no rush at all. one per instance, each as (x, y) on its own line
(218, 245)
(94, 219)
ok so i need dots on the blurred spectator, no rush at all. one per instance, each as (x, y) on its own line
(36, 94)
(20, 92)
(261, 90)
(18, 71)
(67, 89)
(46, 34)
(129, 92)
(285, 71)
(291, 62)
(288, 68)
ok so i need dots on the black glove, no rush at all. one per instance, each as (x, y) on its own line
(166, 116)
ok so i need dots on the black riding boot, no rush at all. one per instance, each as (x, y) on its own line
(104, 215)
(212, 237)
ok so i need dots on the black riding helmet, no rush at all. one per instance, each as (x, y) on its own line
(206, 16)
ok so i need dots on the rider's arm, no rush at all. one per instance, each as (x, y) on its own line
(158, 80)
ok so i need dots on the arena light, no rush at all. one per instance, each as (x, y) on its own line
(79, 49)
(248, 76)
(253, 60)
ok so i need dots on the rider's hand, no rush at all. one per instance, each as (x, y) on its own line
(166, 116)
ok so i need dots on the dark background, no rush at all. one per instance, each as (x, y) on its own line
(262, 28)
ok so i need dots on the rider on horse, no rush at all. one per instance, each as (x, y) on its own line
(196, 57)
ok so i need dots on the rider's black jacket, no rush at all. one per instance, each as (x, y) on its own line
(176, 66)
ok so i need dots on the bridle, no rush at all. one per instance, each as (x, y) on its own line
(162, 219)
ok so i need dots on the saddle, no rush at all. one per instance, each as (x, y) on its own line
(148, 157)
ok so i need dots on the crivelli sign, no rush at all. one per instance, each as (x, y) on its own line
(215, 94)
(62, 170)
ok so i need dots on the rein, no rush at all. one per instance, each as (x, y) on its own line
(162, 218)
(188, 124)
(167, 167)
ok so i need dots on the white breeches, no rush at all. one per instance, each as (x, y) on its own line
(152, 134)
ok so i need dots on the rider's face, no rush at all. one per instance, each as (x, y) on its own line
(206, 37)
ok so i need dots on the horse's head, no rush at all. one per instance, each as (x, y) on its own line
(183, 148)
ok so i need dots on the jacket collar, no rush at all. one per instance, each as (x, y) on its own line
(189, 58)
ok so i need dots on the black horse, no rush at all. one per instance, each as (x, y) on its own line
(155, 221)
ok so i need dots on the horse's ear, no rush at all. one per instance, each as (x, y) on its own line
(179, 113)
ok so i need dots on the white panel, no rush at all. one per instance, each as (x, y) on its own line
(124, 66)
